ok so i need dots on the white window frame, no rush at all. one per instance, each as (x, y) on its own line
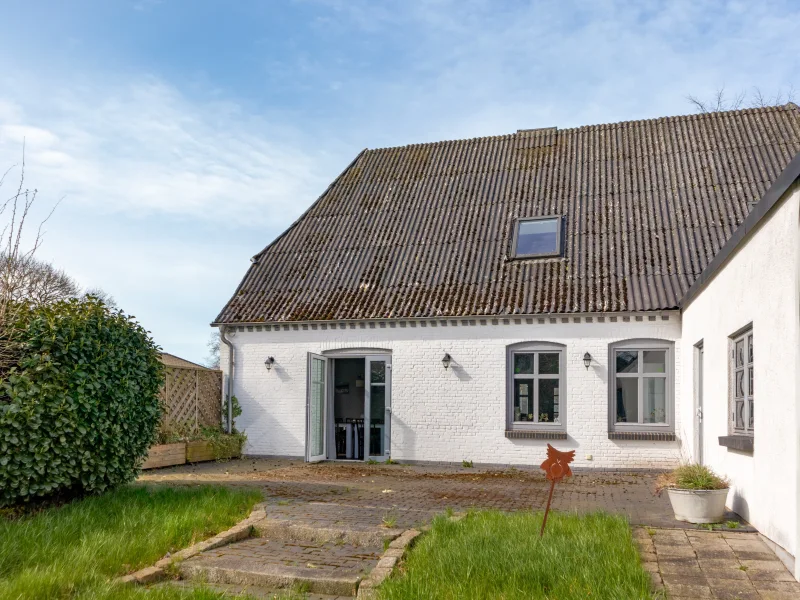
(536, 348)
(744, 335)
(641, 345)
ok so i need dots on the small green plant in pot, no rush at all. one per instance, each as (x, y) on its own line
(696, 493)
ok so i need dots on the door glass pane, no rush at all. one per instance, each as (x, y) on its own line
(655, 400)
(739, 351)
(548, 400)
(655, 361)
(750, 348)
(317, 406)
(523, 363)
(750, 402)
(377, 371)
(627, 400)
(523, 400)
(377, 416)
(750, 382)
(627, 361)
(738, 414)
(548, 363)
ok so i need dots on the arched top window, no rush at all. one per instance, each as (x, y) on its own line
(536, 387)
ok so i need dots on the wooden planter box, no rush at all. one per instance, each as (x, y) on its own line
(200, 451)
(165, 455)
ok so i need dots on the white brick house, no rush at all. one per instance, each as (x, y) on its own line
(477, 299)
(452, 414)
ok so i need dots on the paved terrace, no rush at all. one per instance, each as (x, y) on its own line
(362, 499)
(361, 495)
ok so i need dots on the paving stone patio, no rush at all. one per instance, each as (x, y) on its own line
(725, 565)
(362, 495)
(684, 561)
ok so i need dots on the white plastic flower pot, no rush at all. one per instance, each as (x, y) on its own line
(698, 506)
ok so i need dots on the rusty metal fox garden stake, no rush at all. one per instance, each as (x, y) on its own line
(557, 467)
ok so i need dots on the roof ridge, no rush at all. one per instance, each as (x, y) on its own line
(596, 126)
(443, 142)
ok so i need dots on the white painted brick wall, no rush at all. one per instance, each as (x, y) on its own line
(455, 414)
(759, 284)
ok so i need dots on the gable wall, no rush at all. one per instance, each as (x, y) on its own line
(758, 284)
(456, 414)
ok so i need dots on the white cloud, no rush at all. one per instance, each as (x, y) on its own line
(143, 148)
(165, 198)
(481, 67)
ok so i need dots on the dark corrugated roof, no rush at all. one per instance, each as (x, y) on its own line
(424, 230)
(768, 201)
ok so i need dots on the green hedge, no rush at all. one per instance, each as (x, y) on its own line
(80, 410)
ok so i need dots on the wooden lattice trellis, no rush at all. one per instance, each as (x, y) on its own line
(192, 398)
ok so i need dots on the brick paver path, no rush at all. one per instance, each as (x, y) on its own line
(727, 565)
(357, 495)
(328, 559)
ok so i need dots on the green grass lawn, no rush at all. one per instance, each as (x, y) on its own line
(74, 550)
(498, 555)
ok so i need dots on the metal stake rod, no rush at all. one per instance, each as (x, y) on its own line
(547, 510)
(557, 467)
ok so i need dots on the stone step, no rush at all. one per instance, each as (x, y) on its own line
(261, 593)
(333, 568)
(285, 529)
(273, 577)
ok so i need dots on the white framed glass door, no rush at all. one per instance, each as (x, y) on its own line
(316, 407)
(698, 404)
(378, 406)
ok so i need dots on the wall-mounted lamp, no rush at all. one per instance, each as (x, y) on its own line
(446, 360)
(269, 362)
(587, 360)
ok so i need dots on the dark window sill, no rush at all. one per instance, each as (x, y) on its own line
(642, 436)
(521, 434)
(742, 443)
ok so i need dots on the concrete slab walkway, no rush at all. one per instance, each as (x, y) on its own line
(726, 565)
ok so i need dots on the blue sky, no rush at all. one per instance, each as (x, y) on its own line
(185, 135)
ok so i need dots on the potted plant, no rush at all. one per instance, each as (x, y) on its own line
(696, 493)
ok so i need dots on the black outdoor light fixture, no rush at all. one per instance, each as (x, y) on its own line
(269, 362)
(446, 360)
(587, 360)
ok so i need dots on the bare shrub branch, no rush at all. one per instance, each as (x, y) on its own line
(720, 101)
(103, 296)
(212, 360)
(23, 279)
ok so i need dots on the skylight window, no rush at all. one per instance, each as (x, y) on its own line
(537, 237)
